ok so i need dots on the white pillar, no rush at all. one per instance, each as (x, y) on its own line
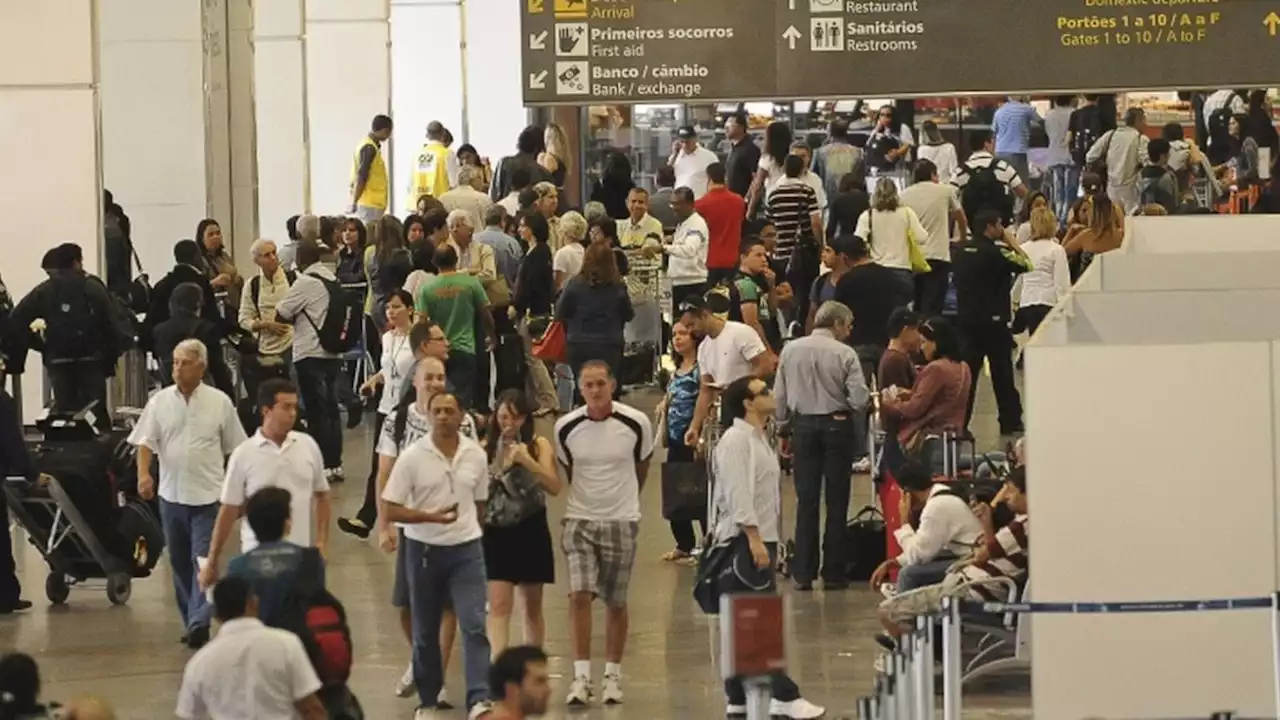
(174, 75)
(495, 109)
(49, 141)
(426, 82)
(348, 83)
(280, 96)
(243, 131)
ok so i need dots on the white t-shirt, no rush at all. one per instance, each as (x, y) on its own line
(415, 281)
(600, 457)
(815, 182)
(568, 260)
(691, 169)
(727, 356)
(247, 671)
(1050, 281)
(296, 465)
(397, 370)
(191, 436)
(886, 235)
(933, 203)
(773, 169)
(424, 479)
(942, 156)
(416, 425)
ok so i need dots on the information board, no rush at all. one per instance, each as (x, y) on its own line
(646, 51)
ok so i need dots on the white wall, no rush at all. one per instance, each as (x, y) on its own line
(348, 83)
(1174, 316)
(154, 121)
(1154, 479)
(49, 141)
(1202, 234)
(495, 108)
(280, 108)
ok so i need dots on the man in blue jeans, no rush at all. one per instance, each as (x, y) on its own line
(191, 427)
(438, 490)
(306, 305)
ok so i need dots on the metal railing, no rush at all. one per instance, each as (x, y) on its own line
(905, 688)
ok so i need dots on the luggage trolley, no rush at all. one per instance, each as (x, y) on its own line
(642, 356)
(55, 525)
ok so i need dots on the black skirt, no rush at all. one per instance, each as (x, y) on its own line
(522, 553)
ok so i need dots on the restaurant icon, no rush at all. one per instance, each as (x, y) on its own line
(825, 6)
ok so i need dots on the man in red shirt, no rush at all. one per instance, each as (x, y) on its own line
(724, 211)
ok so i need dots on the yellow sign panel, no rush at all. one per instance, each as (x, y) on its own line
(536, 6)
(571, 8)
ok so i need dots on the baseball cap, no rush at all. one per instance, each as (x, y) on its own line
(686, 132)
(694, 303)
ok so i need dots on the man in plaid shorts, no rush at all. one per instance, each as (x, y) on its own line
(605, 448)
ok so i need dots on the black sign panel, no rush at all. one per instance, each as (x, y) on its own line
(645, 51)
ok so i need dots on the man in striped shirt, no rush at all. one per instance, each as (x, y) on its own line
(796, 213)
(1003, 553)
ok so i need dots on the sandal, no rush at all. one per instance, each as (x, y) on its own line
(676, 555)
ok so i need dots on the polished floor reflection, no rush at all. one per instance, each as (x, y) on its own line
(131, 656)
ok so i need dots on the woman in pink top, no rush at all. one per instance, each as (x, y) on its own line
(936, 404)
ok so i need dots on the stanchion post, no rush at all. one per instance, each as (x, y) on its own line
(864, 708)
(931, 625)
(758, 696)
(889, 700)
(1275, 646)
(951, 678)
(902, 667)
(877, 699)
(923, 668)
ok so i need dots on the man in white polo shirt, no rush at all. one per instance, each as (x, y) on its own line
(438, 490)
(191, 427)
(690, 161)
(729, 350)
(276, 456)
(605, 448)
(249, 670)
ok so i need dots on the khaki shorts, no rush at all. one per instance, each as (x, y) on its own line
(905, 607)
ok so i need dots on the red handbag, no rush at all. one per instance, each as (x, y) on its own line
(552, 346)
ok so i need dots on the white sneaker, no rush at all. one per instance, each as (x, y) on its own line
(612, 693)
(798, 709)
(426, 713)
(579, 692)
(338, 475)
(888, 590)
(406, 685)
(480, 710)
(862, 465)
(442, 700)
(735, 711)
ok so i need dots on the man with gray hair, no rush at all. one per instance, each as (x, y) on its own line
(272, 356)
(191, 428)
(470, 193)
(821, 392)
(473, 258)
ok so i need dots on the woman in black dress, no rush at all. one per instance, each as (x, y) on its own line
(517, 540)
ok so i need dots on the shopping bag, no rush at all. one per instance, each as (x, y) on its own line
(552, 345)
(684, 490)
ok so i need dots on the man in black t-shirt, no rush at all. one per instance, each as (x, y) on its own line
(872, 292)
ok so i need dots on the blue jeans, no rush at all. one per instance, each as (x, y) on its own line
(914, 577)
(822, 450)
(1064, 184)
(444, 573)
(461, 369)
(187, 532)
(318, 386)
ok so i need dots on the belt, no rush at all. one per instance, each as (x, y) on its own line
(838, 415)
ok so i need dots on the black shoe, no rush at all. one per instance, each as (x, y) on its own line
(1018, 429)
(835, 585)
(886, 642)
(354, 527)
(355, 414)
(15, 606)
(198, 637)
(183, 640)
(803, 585)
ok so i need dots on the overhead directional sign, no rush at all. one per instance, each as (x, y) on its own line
(680, 50)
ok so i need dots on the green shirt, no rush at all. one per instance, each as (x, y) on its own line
(750, 292)
(452, 301)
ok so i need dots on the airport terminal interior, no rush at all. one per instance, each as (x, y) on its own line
(955, 273)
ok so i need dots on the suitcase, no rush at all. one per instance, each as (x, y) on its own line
(864, 543)
(509, 364)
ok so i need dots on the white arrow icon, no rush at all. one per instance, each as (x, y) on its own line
(539, 41)
(538, 81)
(791, 34)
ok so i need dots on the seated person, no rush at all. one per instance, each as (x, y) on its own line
(274, 566)
(947, 529)
(1003, 553)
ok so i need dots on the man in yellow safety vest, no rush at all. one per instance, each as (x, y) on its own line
(369, 173)
(436, 170)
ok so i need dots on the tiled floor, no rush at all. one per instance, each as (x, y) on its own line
(130, 654)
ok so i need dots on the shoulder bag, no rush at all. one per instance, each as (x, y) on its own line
(514, 496)
(726, 567)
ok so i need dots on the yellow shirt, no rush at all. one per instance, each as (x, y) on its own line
(375, 188)
(633, 234)
(430, 173)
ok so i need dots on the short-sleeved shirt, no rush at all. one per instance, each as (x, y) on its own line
(601, 458)
(295, 465)
(272, 568)
(823, 290)
(191, 435)
(751, 292)
(727, 356)
(933, 203)
(248, 671)
(452, 301)
(424, 479)
(568, 260)
(1005, 172)
(791, 206)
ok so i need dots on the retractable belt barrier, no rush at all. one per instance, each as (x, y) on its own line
(904, 689)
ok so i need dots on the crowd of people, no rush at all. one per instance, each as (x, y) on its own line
(813, 290)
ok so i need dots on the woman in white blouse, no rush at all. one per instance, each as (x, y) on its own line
(889, 228)
(747, 503)
(394, 379)
(777, 145)
(937, 150)
(1049, 282)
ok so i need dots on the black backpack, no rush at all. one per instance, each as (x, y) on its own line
(319, 620)
(1083, 137)
(1219, 119)
(1153, 191)
(984, 191)
(75, 327)
(342, 326)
